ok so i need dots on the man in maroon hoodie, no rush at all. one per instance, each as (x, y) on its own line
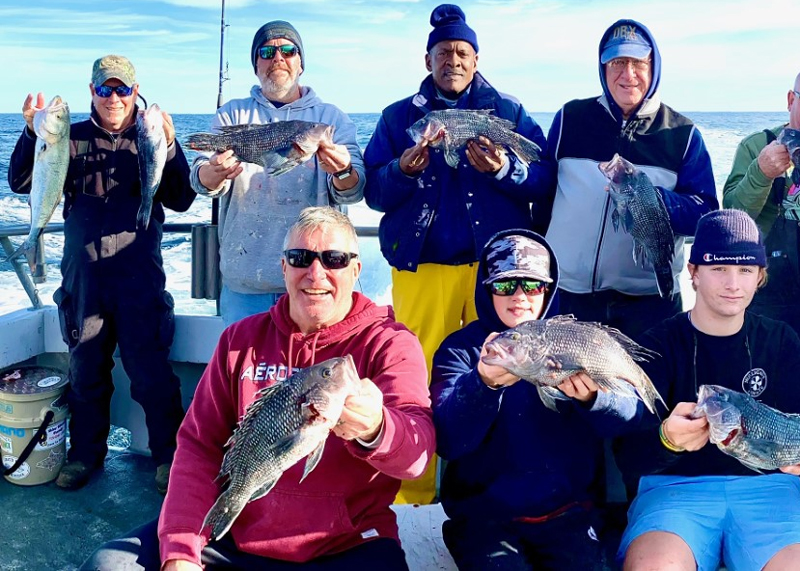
(340, 515)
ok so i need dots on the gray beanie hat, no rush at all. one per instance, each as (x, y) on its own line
(272, 31)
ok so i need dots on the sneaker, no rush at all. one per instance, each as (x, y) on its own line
(74, 475)
(162, 477)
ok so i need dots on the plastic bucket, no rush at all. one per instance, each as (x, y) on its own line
(33, 424)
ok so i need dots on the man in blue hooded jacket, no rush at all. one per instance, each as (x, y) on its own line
(521, 480)
(600, 280)
(438, 218)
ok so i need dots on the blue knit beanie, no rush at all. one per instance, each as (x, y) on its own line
(450, 23)
(727, 237)
(272, 31)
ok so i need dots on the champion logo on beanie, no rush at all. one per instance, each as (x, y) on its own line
(728, 237)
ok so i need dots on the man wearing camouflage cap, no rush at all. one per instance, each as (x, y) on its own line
(113, 288)
(257, 209)
(520, 480)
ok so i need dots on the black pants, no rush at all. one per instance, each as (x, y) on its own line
(139, 551)
(138, 317)
(563, 543)
(631, 314)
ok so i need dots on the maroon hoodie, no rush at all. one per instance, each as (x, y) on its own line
(346, 499)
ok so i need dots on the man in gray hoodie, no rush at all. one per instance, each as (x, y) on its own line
(256, 209)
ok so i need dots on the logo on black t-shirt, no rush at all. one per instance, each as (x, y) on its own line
(754, 382)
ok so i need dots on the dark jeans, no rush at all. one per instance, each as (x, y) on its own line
(140, 319)
(563, 543)
(631, 314)
(139, 551)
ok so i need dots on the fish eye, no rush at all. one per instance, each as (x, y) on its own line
(326, 373)
(515, 336)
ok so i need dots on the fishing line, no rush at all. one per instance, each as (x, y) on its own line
(694, 357)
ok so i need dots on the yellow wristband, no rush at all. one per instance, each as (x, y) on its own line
(666, 442)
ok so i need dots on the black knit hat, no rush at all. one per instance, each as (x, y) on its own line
(272, 31)
(727, 237)
(450, 23)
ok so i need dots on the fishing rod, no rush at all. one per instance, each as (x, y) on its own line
(223, 65)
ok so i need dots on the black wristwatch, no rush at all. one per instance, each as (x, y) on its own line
(343, 174)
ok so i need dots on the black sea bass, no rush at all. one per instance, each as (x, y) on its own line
(289, 421)
(547, 351)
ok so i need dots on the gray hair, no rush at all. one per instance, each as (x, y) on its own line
(315, 217)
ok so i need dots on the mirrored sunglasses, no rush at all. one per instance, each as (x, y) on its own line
(330, 259)
(287, 50)
(106, 90)
(509, 287)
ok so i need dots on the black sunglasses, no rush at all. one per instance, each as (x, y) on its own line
(107, 90)
(287, 50)
(330, 259)
(509, 287)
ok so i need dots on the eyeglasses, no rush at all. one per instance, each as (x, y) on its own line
(621, 63)
(287, 50)
(796, 93)
(509, 287)
(330, 259)
(106, 90)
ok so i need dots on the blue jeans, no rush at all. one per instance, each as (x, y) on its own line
(235, 306)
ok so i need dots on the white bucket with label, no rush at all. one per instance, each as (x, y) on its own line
(33, 424)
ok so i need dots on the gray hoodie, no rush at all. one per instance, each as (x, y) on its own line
(256, 210)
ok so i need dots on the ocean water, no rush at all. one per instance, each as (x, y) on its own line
(721, 131)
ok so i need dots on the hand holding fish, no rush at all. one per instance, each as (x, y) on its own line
(362, 416)
(415, 159)
(682, 430)
(580, 386)
(169, 128)
(774, 160)
(29, 108)
(485, 156)
(180, 565)
(219, 168)
(494, 376)
(332, 158)
(794, 470)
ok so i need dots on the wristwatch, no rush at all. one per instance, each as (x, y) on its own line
(343, 174)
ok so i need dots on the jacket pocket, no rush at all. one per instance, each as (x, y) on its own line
(70, 332)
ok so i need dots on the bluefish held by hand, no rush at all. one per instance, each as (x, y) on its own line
(50, 163)
(757, 435)
(151, 144)
(289, 421)
(278, 147)
(640, 209)
(547, 351)
(451, 129)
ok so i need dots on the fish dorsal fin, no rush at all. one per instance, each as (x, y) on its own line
(500, 122)
(234, 129)
(313, 459)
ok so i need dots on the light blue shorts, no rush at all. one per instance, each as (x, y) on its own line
(741, 520)
(235, 306)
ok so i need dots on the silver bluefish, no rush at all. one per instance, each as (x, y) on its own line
(50, 163)
(278, 147)
(791, 139)
(547, 351)
(451, 129)
(151, 144)
(289, 421)
(640, 209)
(757, 435)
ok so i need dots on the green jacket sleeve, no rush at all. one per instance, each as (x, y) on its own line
(747, 187)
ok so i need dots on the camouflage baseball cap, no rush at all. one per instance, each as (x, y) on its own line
(112, 66)
(517, 257)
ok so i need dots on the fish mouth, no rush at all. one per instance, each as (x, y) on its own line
(494, 354)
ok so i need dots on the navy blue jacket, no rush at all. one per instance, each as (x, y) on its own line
(509, 456)
(410, 204)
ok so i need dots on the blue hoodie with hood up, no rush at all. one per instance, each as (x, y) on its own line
(659, 141)
(509, 456)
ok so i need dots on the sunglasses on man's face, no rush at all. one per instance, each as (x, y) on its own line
(509, 287)
(268, 52)
(107, 90)
(330, 259)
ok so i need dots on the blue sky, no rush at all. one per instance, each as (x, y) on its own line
(718, 55)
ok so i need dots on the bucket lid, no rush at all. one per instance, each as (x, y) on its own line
(22, 383)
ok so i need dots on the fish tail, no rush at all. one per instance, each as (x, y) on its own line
(205, 142)
(143, 216)
(526, 150)
(223, 513)
(664, 280)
